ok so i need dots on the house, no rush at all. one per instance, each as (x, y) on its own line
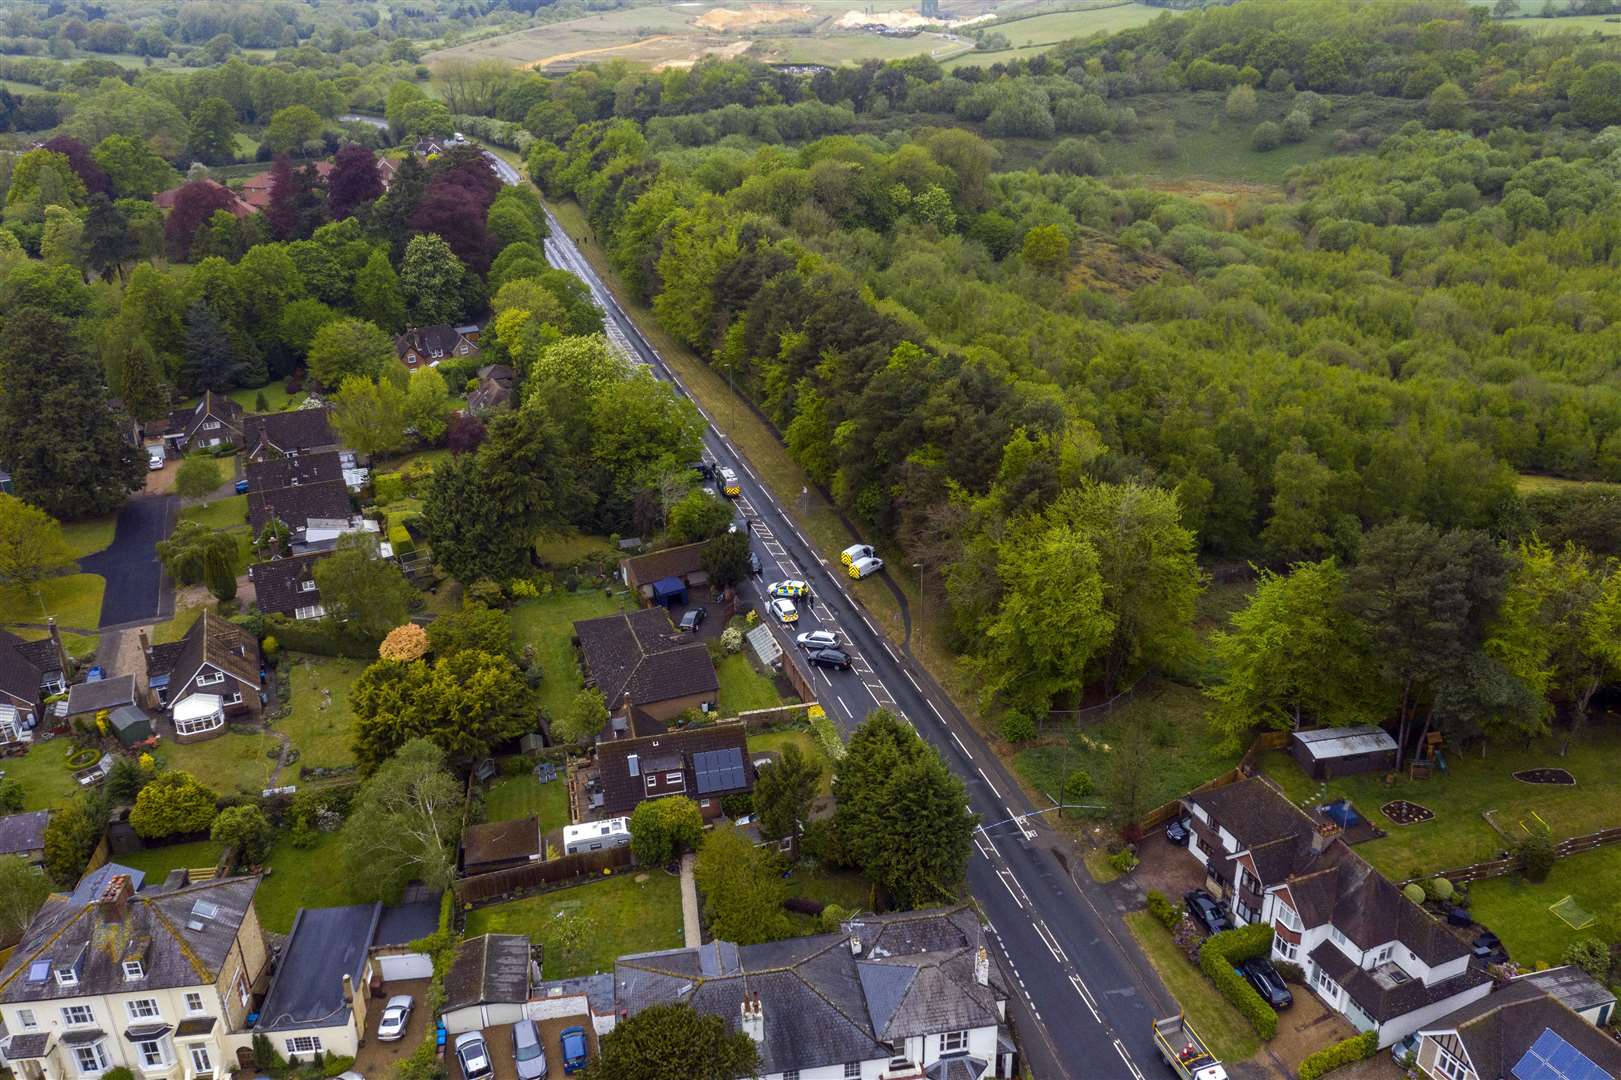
(296, 507)
(207, 676)
(300, 471)
(216, 420)
(158, 980)
(494, 390)
(425, 346)
(1523, 1031)
(130, 724)
(1328, 753)
(488, 983)
(86, 699)
(239, 209)
(1367, 950)
(704, 764)
(312, 1006)
(915, 994)
(499, 845)
(24, 835)
(287, 586)
(653, 577)
(30, 672)
(283, 434)
(428, 146)
(648, 673)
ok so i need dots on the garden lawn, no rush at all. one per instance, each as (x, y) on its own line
(46, 780)
(1182, 752)
(316, 877)
(227, 513)
(777, 738)
(846, 888)
(1223, 1027)
(73, 600)
(1518, 910)
(630, 912)
(176, 628)
(156, 862)
(276, 395)
(568, 547)
(90, 536)
(231, 763)
(321, 732)
(548, 624)
(742, 688)
(423, 460)
(1458, 835)
(522, 796)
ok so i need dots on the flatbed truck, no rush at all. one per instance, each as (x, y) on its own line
(1184, 1051)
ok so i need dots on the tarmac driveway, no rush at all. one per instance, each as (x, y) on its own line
(137, 589)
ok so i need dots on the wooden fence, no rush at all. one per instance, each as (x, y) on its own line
(500, 885)
(1495, 868)
(1267, 740)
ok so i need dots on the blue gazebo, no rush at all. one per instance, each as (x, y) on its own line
(670, 591)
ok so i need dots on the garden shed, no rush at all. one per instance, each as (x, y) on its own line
(1343, 751)
(669, 591)
(130, 724)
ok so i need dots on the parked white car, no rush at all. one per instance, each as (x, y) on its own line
(155, 457)
(474, 1056)
(818, 639)
(785, 611)
(395, 1019)
(865, 567)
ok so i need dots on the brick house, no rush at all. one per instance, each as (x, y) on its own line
(647, 672)
(704, 764)
(214, 668)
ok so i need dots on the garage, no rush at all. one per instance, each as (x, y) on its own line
(405, 966)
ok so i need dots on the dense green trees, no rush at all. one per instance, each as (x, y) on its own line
(674, 1040)
(463, 703)
(743, 888)
(405, 823)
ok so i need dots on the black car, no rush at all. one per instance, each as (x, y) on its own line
(1176, 831)
(693, 618)
(1206, 912)
(833, 658)
(1268, 983)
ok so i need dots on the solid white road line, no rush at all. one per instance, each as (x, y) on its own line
(1086, 996)
(911, 680)
(1002, 876)
(982, 776)
(1136, 1073)
(1050, 941)
(940, 718)
(870, 626)
(989, 841)
(845, 707)
(895, 658)
(960, 746)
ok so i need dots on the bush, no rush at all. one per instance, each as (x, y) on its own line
(1438, 888)
(832, 918)
(1590, 954)
(387, 488)
(323, 637)
(1536, 854)
(1123, 860)
(1221, 954)
(1017, 727)
(1356, 1048)
(737, 804)
(1267, 136)
(118, 1072)
(1291, 972)
(1413, 891)
(1162, 908)
(827, 733)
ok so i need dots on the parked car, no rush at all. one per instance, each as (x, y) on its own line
(474, 1056)
(792, 589)
(833, 658)
(1403, 1051)
(573, 1040)
(241, 487)
(1211, 916)
(818, 639)
(692, 618)
(527, 1053)
(1177, 831)
(865, 567)
(396, 1017)
(1267, 982)
(785, 611)
(155, 457)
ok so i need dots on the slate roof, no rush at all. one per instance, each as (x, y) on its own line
(292, 471)
(431, 341)
(19, 676)
(640, 653)
(89, 697)
(1498, 1029)
(823, 1004)
(1571, 985)
(324, 945)
(489, 968)
(43, 653)
(621, 791)
(1388, 1002)
(295, 506)
(490, 394)
(27, 1045)
(681, 562)
(212, 406)
(161, 659)
(294, 431)
(500, 842)
(405, 923)
(71, 930)
(23, 833)
(278, 584)
(211, 639)
(597, 989)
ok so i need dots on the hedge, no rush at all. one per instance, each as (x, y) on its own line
(1356, 1048)
(1221, 954)
(322, 637)
(827, 734)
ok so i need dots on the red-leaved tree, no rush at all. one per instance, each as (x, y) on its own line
(96, 181)
(194, 204)
(354, 181)
(457, 214)
(465, 433)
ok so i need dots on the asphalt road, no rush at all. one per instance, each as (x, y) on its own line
(137, 588)
(1085, 997)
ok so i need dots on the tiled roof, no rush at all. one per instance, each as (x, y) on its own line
(640, 653)
(430, 341)
(1254, 812)
(293, 471)
(295, 506)
(621, 791)
(1384, 1002)
(89, 697)
(500, 842)
(155, 924)
(1498, 1029)
(679, 562)
(161, 660)
(19, 676)
(21, 833)
(212, 407)
(294, 431)
(216, 641)
(490, 968)
(278, 584)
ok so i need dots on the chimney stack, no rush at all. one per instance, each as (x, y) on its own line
(114, 898)
(982, 967)
(146, 643)
(753, 1018)
(1323, 835)
(348, 987)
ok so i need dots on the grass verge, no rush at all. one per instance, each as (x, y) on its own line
(228, 513)
(1223, 1029)
(90, 536)
(629, 913)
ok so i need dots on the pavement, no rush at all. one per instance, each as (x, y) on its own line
(691, 929)
(1086, 997)
(138, 591)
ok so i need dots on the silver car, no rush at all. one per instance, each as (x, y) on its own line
(396, 1017)
(474, 1056)
(527, 1052)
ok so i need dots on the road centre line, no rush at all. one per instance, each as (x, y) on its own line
(982, 776)
(1050, 941)
(960, 746)
(1136, 1073)
(845, 707)
(1086, 996)
(1002, 876)
(942, 719)
(911, 680)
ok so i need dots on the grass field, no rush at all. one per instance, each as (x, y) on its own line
(850, 891)
(227, 513)
(1038, 33)
(319, 726)
(276, 395)
(522, 796)
(1458, 834)
(548, 624)
(1518, 910)
(89, 536)
(1603, 25)
(630, 912)
(156, 862)
(569, 547)
(73, 600)
(1228, 1034)
(313, 877)
(46, 780)
(232, 763)
(1533, 484)
(742, 688)
(777, 738)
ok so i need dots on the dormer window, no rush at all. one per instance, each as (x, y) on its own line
(211, 425)
(306, 586)
(67, 977)
(134, 969)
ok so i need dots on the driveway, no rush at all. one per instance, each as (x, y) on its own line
(137, 588)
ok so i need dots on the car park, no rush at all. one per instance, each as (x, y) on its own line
(1260, 973)
(817, 639)
(1177, 831)
(856, 551)
(729, 485)
(1206, 912)
(785, 611)
(792, 589)
(573, 1045)
(396, 1017)
(833, 658)
(474, 1056)
(692, 618)
(527, 1054)
(865, 567)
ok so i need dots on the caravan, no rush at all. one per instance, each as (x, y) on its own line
(596, 835)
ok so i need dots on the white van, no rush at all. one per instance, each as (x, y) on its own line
(856, 551)
(864, 567)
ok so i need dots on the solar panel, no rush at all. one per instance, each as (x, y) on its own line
(1552, 1058)
(718, 770)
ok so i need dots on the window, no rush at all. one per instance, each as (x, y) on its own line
(306, 586)
(1284, 949)
(242, 990)
(211, 425)
(142, 1008)
(209, 678)
(1286, 916)
(791, 1074)
(852, 1070)
(25, 1017)
(953, 1042)
(1328, 986)
(235, 698)
(309, 611)
(673, 778)
(77, 1014)
(152, 1053)
(1448, 1065)
(67, 977)
(304, 1044)
(134, 970)
(201, 1063)
(199, 725)
(1339, 938)
(91, 1058)
(194, 1002)
(1383, 954)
